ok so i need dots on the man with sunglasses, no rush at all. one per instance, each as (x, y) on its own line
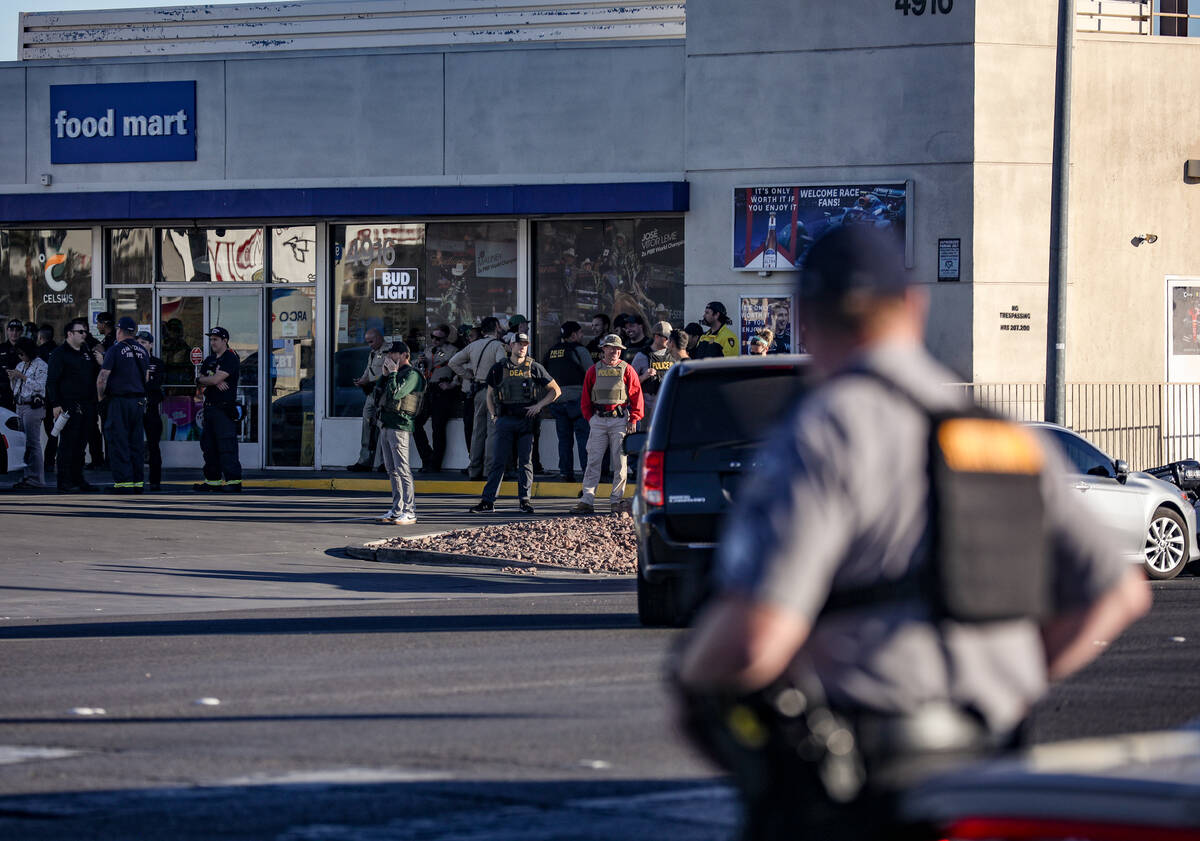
(442, 398)
(71, 388)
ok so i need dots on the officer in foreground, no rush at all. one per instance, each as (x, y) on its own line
(219, 437)
(122, 380)
(856, 644)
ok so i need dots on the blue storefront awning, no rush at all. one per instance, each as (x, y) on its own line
(502, 200)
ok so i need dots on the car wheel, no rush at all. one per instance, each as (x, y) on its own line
(658, 603)
(1167, 547)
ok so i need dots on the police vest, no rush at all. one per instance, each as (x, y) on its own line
(562, 361)
(661, 362)
(609, 388)
(517, 388)
(440, 371)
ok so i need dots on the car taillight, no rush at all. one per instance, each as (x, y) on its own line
(1034, 829)
(652, 477)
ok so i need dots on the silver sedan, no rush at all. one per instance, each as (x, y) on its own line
(1152, 520)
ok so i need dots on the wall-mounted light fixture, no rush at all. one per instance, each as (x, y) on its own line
(1140, 238)
(1191, 170)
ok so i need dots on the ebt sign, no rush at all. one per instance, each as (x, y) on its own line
(395, 286)
(139, 121)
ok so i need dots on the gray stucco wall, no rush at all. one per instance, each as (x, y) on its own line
(810, 93)
(12, 130)
(386, 117)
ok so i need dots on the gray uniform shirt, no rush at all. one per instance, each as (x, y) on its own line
(842, 503)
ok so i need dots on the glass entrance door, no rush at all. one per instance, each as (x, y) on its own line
(184, 319)
(291, 380)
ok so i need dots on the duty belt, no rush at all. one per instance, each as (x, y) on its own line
(613, 412)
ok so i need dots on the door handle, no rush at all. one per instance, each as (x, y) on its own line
(1082, 486)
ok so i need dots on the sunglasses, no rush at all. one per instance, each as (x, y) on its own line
(439, 338)
(77, 331)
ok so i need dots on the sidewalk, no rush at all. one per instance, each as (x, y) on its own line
(447, 482)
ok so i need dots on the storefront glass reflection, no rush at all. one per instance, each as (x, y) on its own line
(610, 266)
(291, 379)
(294, 254)
(200, 255)
(45, 276)
(130, 256)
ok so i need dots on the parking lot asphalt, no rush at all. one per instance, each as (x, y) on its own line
(184, 552)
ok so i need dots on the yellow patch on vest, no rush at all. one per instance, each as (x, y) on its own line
(982, 445)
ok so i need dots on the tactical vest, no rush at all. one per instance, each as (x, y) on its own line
(562, 361)
(410, 403)
(441, 365)
(661, 362)
(517, 388)
(609, 388)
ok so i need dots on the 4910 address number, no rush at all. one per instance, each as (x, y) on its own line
(918, 7)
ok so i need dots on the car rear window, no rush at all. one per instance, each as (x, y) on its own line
(709, 407)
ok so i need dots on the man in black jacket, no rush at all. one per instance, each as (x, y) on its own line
(8, 362)
(71, 388)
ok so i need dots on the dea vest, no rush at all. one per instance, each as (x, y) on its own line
(518, 387)
(609, 388)
(661, 362)
(563, 365)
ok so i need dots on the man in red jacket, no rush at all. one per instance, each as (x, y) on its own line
(612, 405)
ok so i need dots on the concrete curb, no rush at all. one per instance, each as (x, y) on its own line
(375, 551)
(540, 490)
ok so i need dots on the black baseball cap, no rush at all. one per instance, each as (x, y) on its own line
(397, 347)
(852, 259)
(146, 336)
(127, 324)
(104, 318)
(569, 327)
(16, 322)
(219, 332)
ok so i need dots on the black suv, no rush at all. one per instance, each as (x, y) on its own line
(710, 417)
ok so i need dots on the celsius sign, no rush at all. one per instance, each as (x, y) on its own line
(142, 121)
(395, 286)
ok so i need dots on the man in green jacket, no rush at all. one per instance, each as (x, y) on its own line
(400, 391)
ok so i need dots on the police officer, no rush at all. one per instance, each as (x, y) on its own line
(719, 336)
(8, 362)
(441, 398)
(71, 388)
(152, 423)
(219, 437)
(612, 404)
(513, 406)
(820, 571)
(652, 364)
(568, 363)
(122, 382)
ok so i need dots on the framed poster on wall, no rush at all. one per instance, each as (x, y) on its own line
(773, 311)
(774, 224)
(1183, 329)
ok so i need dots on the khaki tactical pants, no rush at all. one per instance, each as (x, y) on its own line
(605, 434)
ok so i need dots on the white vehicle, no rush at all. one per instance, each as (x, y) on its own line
(1153, 521)
(12, 442)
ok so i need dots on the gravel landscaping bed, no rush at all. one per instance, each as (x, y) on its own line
(603, 543)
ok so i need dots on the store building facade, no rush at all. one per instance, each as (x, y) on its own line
(304, 173)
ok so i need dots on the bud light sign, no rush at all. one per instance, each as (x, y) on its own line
(395, 286)
(118, 123)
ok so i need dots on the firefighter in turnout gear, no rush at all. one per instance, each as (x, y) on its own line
(612, 404)
(513, 404)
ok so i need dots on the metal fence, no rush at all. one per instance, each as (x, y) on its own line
(1146, 424)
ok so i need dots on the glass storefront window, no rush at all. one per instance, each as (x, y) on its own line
(401, 278)
(130, 256)
(135, 302)
(472, 268)
(291, 378)
(611, 266)
(377, 283)
(294, 254)
(220, 255)
(45, 276)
